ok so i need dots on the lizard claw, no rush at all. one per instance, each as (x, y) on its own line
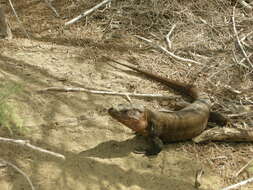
(139, 151)
(146, 152)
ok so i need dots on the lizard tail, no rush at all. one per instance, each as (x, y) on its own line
(187, 89)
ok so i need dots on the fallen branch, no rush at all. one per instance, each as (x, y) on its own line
(235, 186)
(20, 23)
(26, 143)
(225, 134)
(87, 12)
(19, 171)
(238, 40)
(127, 94)
(168, 52)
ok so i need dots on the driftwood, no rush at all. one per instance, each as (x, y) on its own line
(5, 31)
(225, 134)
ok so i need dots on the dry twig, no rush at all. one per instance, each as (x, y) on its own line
(20, 23)
(198, 178)
(240, 114)
(19, 171)
(235, 186)
(167, 37)
(26, 143)
(168, 52)
(239, 62)
(238, 40)
(245, 4)
(243, 168)
(87, 12)
(101, 92)
(49, 4)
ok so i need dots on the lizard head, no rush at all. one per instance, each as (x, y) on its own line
(132, 116)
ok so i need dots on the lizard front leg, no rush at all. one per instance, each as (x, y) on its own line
(156, 144)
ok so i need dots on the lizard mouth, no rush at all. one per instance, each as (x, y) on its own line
(112, 112)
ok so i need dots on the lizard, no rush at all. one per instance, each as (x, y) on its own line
(161, 128)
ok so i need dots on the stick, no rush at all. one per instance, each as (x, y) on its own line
(225, 134)
(26, 143)
(241, 62)
(240, 114)
(87, 12)
(20, 23)
(231, 89)
(238, 40)
(168, 52)
(238, 184)
(49, 4)
(245, 5)
(70, 89)
(167, 37)
(19, 171)
(243, 168)
(198, 178)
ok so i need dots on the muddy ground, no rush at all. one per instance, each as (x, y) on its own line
(98, 149)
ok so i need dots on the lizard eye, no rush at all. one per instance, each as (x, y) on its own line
(134, 114)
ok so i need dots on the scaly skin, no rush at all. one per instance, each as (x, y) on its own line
(165, 127)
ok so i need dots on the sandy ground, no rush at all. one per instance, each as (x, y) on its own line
(99, 150)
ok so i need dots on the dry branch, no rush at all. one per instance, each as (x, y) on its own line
(19, 171)
(235, 186)
(225, 134)
(243, 168)
(167, 37)
(245, 114)
(238, 40)
(26, 143)
(127, 94)
(87, 12)
(168, 52)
